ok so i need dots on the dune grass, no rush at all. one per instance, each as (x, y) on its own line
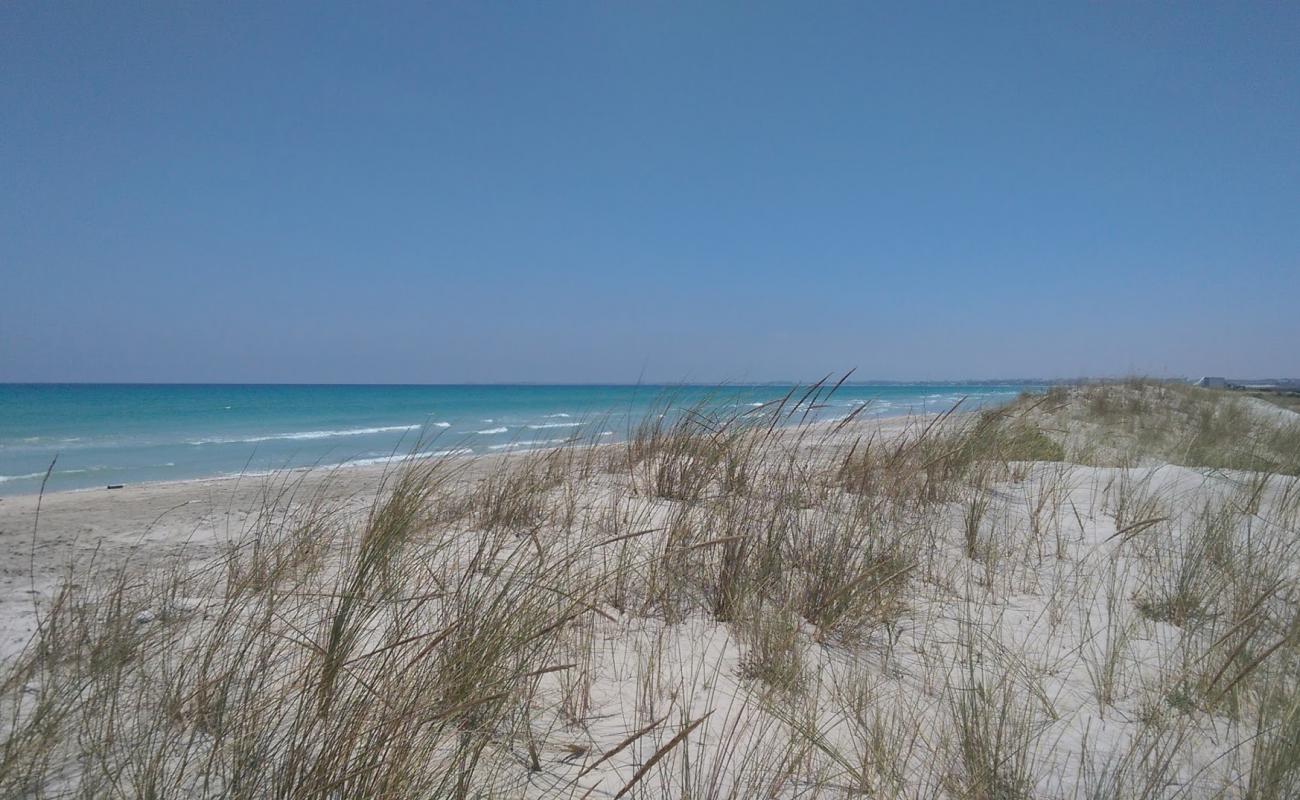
(1172, 422)
(1086, 594)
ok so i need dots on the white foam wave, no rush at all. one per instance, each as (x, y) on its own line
(39, 440)
(491, 431)
(302, 435)
(33, 475)
(534, 443)
(370, 462)
(553, 416)
(546, 425)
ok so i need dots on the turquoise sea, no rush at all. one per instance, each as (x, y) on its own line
(100, 434)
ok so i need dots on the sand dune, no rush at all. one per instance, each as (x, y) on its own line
(1089, 594)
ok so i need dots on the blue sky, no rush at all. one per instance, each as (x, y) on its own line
(619, 191)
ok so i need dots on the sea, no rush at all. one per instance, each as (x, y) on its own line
(89, 436)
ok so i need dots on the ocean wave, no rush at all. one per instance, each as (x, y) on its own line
(491, 431)
(524, 444)
(544, 425)
(41, 474)
(370, 462)
(301, 435)
(44, 439)
(28, 476)
(553, 416)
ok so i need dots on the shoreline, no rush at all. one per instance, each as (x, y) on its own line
(395, 461)
(355, 474)
(192, 519)
(164, 513)
(99, 436)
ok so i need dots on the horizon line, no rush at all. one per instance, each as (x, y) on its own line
(779, 382)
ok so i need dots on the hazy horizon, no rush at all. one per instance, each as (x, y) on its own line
(584, 194)
(831, 379)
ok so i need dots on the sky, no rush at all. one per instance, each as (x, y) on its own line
(614, 192)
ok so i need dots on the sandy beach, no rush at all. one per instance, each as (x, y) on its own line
(1032, 598)
(193, 520)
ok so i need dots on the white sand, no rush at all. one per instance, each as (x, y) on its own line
(1046, 619)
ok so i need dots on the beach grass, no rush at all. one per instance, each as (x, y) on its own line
(1088, 593)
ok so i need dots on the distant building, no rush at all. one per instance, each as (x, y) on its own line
(1213, 383)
